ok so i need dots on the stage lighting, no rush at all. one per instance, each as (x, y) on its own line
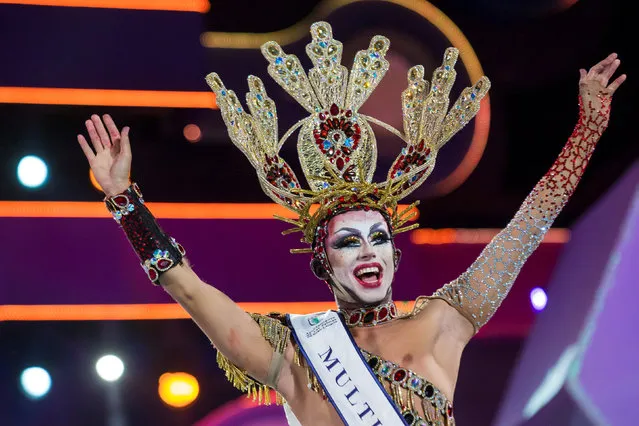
(94, 181)
(538, 298)
(35, 382)
(32, 171)
(178, 389)
(109, 368)
(192, 133)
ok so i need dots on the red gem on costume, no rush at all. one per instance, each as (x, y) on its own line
(354, 319)
(349, 113)
(136, 188)
(181, 249)
(152, 273)
(322, 116)
(340, 163)
(427, 152)
(392, 310)
(449, 410)
(121, 200)
(334, 109)
(421, 145)
(382, 314)
(336, 137)
(399, 375)
(164, 264)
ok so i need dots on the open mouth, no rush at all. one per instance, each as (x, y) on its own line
(369, 275)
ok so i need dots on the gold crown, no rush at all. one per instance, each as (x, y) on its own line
(336, 145)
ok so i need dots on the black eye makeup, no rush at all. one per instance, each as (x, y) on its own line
(380, 237)
(354, 240)
(347, 241)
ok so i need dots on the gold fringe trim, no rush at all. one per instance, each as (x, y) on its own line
(278, 335)
(241, 380)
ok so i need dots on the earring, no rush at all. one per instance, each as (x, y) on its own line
(397, 256)
(318, 269)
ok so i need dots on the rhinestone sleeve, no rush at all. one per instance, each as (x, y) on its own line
(157, 251)
(479, 291)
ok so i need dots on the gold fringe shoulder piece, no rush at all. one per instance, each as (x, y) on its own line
(275, 331)
(241, 380)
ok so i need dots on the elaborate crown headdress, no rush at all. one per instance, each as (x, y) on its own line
(336, 145)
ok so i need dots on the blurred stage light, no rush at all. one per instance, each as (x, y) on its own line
(94, 182)
(35, 382)
(192, 133)
(538, 298)
(109, 368)
(178, 389)
(32, 171)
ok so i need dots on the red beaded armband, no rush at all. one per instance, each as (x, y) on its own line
(157, 251)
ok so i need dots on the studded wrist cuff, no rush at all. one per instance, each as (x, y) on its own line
(157, 251)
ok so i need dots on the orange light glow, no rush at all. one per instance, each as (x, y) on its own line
(82, 209)
(201, 6)
(103, 97)
(476, 236)
(192, 133)
(178, 389)
(158, 311)
(94, 181)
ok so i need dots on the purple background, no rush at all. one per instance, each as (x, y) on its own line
(89, 261)
(573, 293)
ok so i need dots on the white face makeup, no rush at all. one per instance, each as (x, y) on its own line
(360, 252)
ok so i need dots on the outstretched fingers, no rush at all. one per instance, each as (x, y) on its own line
(93, 135)
(88, 152)
(615, 84)
(583, 74)
(601, 66)
(102, 133)
(114, 133)
(125, 145)
(610, 70)
(111, 127)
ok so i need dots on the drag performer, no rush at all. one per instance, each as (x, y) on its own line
(365, 363)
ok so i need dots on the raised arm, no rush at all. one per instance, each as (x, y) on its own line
(233, 332)
(479, 291)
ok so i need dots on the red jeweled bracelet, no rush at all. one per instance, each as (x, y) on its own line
(157, 251)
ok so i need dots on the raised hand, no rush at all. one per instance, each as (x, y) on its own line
(111, 161)
(594, 89)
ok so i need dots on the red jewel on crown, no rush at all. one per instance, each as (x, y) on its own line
(337, 135)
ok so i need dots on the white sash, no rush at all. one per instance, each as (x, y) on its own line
(347, 380)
